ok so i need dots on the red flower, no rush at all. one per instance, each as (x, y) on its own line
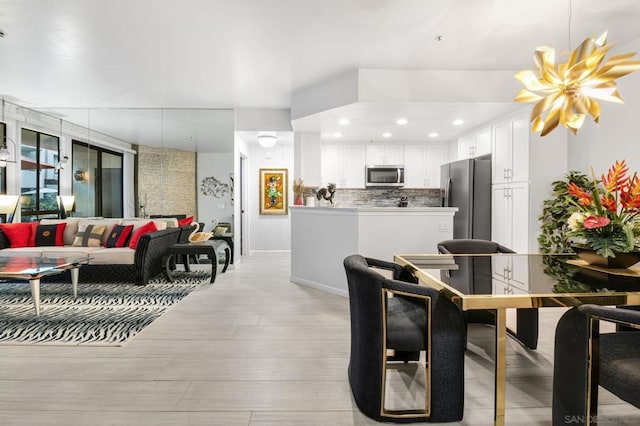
(609, 203)
(584, 198)
(595, 222)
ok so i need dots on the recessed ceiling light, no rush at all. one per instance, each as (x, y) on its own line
(457, 122)
(386, 135)
(401, 121)
(433, 135)
(337, 135)
(344, 121)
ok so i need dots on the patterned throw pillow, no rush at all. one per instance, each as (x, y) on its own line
(50, 235)
(89, 235)
(119, 236)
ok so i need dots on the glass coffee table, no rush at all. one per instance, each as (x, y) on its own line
(32, 268)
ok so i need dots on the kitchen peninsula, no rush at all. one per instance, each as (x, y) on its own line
(321, 237)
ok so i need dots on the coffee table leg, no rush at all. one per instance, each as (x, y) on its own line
(75, 272)
(213, 256)
(167, 268)
(35, 294)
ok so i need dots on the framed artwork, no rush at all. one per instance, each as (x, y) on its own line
(273, 191)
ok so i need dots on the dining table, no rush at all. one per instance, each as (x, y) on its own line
(520, 281)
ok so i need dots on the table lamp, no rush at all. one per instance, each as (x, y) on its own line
(65, 204)
(8, 205)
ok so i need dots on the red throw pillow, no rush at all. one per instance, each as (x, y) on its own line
(49, 235)
(19, 234)
(185, 221)
(144, 229)
(119, 236)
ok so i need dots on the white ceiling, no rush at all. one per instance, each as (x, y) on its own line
(254, 54)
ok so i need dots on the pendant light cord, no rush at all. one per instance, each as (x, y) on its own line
(569, 29)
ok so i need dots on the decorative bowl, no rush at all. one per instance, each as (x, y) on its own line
(622, 260)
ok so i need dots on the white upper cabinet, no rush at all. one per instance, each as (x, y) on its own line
(343, 164)
(475, 144)
(379, 154)
(511, 150)
(422, 165)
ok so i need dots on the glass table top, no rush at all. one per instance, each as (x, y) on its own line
(536, 279)
(19, 266)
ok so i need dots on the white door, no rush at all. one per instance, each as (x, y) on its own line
(483, 142)
(520, 217)
(466, 146)
(375, 154)
(394, 154)
(520, 150)
(434, 157)
(501, 215)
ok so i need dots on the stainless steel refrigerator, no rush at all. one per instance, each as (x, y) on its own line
(466, 184)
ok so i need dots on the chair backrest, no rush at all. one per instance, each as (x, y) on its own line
(473, 275)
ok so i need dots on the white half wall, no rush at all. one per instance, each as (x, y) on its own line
(268, 232)
(219, 166)
(616, 137)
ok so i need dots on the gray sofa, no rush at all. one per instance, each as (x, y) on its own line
(121, 264)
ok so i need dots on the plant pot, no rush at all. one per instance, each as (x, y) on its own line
(622, 260)
(298, 200)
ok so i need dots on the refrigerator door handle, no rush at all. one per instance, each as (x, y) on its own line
(447, 193)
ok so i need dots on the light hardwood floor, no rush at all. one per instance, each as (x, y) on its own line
(251, 349)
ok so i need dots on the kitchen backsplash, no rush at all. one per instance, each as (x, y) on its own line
(386, 197)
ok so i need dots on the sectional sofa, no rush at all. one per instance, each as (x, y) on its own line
(113, 257)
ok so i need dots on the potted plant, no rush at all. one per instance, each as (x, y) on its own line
(298, 192)
(603, 218)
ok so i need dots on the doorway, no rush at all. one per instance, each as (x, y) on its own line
(244, 222)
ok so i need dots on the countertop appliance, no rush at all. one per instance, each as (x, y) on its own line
(466, 184)
(384, 175)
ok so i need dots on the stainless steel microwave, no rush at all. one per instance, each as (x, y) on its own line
(384, 175)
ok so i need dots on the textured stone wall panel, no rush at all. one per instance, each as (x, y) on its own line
(166, 180)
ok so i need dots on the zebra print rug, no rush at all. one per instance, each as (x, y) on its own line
(102, 314)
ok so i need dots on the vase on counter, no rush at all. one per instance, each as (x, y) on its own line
(298, 200)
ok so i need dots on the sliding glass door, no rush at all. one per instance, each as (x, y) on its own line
(97, 181)
(39, 154)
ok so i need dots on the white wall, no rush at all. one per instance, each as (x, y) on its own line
(268, 232)
(617, 136)
(219, 166)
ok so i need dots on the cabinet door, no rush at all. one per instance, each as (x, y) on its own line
(501, 152)
(353, 166)
(331, 164)
(483, 142)
(375, 154)
(434, 157)
(520, 150)
(501, 215)
(519, 194)
(466, 147)
(394, 154)
(414, 167)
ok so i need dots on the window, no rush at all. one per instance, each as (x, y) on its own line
(97, 181)
(39, 177)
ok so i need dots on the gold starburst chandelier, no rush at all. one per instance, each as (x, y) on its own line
(570, 90)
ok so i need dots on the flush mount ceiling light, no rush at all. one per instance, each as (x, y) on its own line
(386, 135)
(344, 121)
(337, 135)
(401, 121)
(569, 90)
(457, 122)
(433, 135)
(267, 141)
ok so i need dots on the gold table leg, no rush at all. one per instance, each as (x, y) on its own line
(501, 367)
